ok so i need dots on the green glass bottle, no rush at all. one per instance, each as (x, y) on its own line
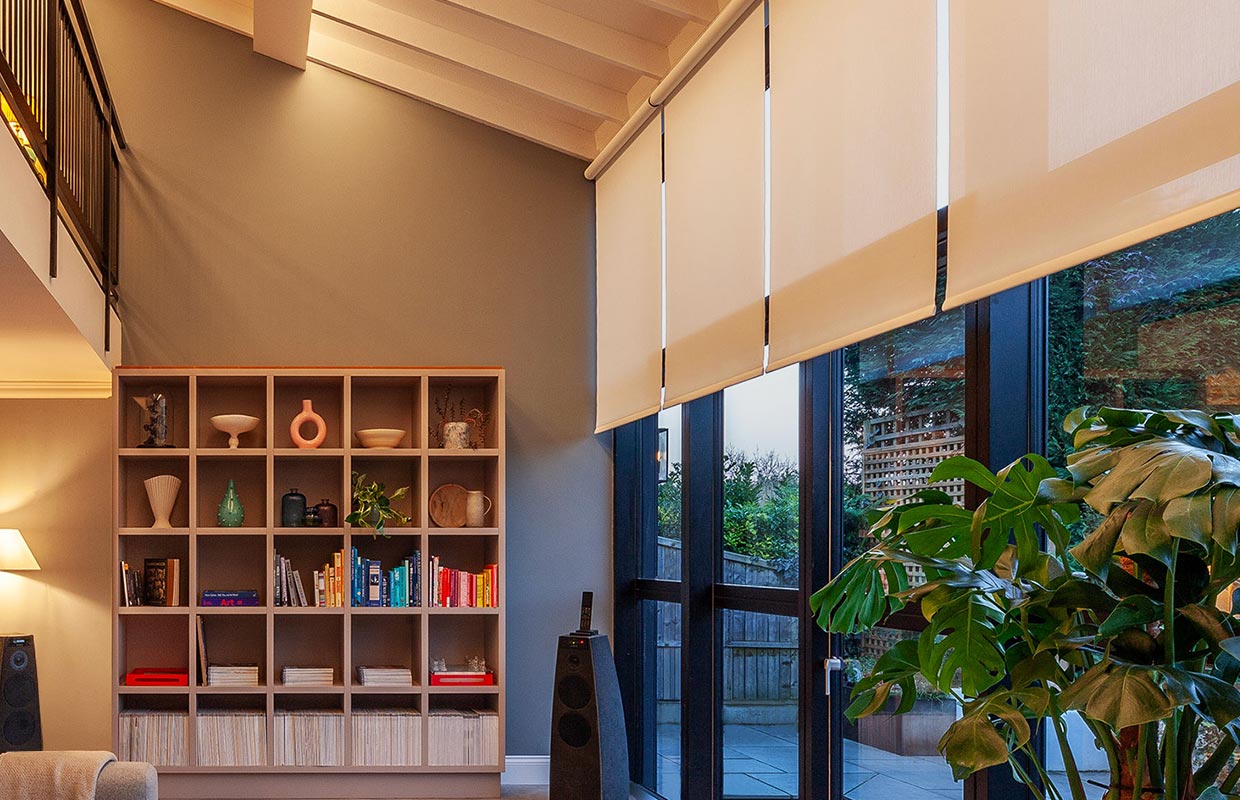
(231, 513)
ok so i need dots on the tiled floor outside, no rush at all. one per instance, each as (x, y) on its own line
(761, 761)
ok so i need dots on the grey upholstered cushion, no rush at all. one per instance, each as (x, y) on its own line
(127, 780)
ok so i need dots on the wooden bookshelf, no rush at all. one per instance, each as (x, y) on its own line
(265, 466)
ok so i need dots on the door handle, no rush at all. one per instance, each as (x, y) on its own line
(830, 665)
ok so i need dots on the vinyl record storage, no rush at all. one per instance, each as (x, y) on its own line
(252, 685)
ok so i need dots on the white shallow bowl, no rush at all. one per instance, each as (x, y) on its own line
(380, 438)
(234, 425)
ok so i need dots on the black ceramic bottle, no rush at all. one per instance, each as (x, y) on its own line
(293, 509)
(328, 513)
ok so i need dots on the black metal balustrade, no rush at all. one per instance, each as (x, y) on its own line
(55, 101)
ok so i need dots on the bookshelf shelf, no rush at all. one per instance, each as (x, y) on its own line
(263, 468)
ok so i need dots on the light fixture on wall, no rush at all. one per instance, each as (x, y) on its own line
(15, 555)
(662, 455)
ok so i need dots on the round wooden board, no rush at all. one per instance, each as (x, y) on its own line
(447, 506)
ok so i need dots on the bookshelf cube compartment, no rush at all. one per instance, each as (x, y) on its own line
(154, 728)
(326, 395)
(463, 730)
(387, 730)
(233, 562)
(136, 549)
(454, 398)
(160, 641)
(308, 731)
(232, 730)
(232, 639)
(304, 640)
(133, 503)
(229, 394)
(306, 554)
(387, 640)
(390, 553)
(387, 402)
(249, 477)
(470, 554)
(394, 472)
(457, 637)
(471, 471)
(175, 390)
(316, 478)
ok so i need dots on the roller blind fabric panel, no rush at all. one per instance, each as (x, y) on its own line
(1081, 128)
(629, 244)
(853, 143)
(713, 165)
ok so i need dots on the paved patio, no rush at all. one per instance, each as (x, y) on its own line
(761, 761)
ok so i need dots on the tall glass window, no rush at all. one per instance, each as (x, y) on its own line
(904, 397)
(761, 544)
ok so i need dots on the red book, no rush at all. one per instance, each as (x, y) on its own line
(452, 678)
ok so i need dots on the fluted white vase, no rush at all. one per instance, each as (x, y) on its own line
(161, 491)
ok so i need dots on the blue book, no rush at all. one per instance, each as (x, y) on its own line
(385, 597)
(374, 582)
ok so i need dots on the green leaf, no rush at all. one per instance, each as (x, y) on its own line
(1096, 552)
(1132, 612)
(1145, 533)
(1225, 520)
(972, 743)
(962, 638)
(1075, 419)
(1118, 695)
(965, 468)
(1213, 699)
(1191, 518)
(856, 600)
(1231, 646)
(1007, 514)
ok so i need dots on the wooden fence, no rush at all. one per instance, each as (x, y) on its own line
(759, 650)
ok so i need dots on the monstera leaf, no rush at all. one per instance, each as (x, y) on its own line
(1119, 695)
(961, 639)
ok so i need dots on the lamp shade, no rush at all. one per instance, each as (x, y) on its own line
(14, 554)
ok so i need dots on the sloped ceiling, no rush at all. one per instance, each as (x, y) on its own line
(564, 73)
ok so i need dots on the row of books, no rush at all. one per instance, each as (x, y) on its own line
(386, 738)
(156, 737)
(458, 588)
(462, 737)
(232, 738)
(330, 587)
(289, 590)
(309, 738)
(158, 584)
(400, 587)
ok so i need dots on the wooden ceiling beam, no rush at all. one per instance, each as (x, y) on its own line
(282, 30)
(693, 10)
(434, 40)
(422, 84)
(591, 38)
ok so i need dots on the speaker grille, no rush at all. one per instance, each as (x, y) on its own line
(19, 660)
(574, 730)
(19, 729)
(574, 692)
(19, 691)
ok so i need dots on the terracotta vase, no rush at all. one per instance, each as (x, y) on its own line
(307, 415)
(161, 491)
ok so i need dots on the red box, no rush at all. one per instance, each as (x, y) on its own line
(462, 679)
(157, 676)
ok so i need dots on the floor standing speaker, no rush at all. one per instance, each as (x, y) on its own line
(589, 751)
(20, 728)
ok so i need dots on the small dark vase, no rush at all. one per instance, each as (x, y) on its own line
(293, 509)
(328, 513)
(312, 518)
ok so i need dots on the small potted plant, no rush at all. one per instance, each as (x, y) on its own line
(372, 506)
(459, 427)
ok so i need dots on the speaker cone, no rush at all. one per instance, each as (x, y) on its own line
(574, 692)
(574, 729)
(19, 728)
(19, 691)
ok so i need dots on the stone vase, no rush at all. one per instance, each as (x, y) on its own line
(161, 491)
(231, 513)
(456, 435)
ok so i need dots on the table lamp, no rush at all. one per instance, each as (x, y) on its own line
(15, 555)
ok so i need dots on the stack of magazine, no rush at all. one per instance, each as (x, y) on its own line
(157, 737)
(463, 737)
(309, 738)
(232, 675)
(386, 738)
(385, 676)
(308, 676)
(231, 738)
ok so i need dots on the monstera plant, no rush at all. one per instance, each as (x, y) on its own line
(1121, 628)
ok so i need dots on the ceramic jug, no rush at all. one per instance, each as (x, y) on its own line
(477, 506)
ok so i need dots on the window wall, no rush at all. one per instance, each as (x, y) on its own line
(769, 484)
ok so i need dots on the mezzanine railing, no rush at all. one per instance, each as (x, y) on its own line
(55, 101)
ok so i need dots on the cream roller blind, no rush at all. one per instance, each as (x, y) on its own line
(853, 137)
(713, 165)
(1078, 128)
(629, 242)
